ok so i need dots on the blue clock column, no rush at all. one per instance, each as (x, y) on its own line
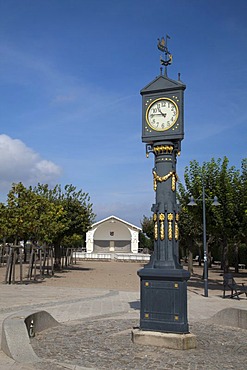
(163, 280)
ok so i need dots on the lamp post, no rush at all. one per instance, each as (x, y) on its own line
(205, 249)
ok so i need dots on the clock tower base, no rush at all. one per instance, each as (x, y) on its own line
(164, 300)
(166, 340)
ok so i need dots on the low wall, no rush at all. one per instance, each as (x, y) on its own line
(131, 257)
(235, 317)
(16, 330)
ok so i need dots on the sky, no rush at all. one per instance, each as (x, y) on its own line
(71, 72)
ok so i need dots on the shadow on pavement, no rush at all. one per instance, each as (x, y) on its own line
(135, 305)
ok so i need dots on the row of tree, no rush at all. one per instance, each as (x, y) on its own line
(61, 217)
(226, 225)
(58, 217)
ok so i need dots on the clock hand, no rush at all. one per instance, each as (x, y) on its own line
(163, 114)
(155, 114)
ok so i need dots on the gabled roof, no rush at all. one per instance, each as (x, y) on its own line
(162, 82)
(117, 219)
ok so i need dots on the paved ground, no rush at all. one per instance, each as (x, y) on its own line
(98, 306)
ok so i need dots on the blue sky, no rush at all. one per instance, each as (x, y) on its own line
(71, 72)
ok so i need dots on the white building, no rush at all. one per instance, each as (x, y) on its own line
(112, 235)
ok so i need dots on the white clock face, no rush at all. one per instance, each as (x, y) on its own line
(162, 114)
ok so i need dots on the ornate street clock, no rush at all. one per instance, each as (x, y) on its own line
(163, 279)
(162, 110)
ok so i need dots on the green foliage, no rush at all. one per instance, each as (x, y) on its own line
(76, 210)
(148, 232)
(4, 214)
(148, 227)
(46, 215)
(226, 224)
(145, 242)
(243, 254)
(75, 240)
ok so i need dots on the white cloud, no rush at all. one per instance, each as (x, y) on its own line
(19, 163)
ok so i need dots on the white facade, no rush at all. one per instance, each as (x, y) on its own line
(112, 235)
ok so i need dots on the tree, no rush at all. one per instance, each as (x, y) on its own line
(32, 216)
(4, 227)
(51, 216)
(243, 202)
(77, 214)
(18, 207)
(228, 217)
(148, 230)
(145, 243)
(226, 225)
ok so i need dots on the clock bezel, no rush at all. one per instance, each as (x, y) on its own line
(150, 106)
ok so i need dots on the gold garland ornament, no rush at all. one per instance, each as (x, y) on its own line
(170, 219)
(162, 226)
(156, 230)
(176, 226)
(158, 178)
(155, 226)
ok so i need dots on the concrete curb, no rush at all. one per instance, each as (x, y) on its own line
(16, 330)
(235, 317)
(166, 340)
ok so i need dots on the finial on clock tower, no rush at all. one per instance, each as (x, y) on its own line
(166, 59)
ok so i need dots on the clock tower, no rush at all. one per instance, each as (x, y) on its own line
(162, 110)
(163, 280)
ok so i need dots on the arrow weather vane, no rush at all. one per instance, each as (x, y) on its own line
(165, 60)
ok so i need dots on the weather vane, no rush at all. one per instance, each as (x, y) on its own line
(166, 59)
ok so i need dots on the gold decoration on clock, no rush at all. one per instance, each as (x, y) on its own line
(162, 226)
(176, 226)
(163, 149)
(170, 219)
(156, 230)
(157, 178)
(170, 216)
(162, 231)
(174, 179)
(161, 216)
(176, 231)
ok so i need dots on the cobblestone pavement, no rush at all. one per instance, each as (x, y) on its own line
(96, 328)
(106, 344)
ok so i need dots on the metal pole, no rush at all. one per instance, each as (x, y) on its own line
(205, 244)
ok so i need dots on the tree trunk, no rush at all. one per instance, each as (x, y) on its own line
(190, 262)
(209, 259)
(225, 261)
(200, 256)
(236, 257)
(57, 251)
